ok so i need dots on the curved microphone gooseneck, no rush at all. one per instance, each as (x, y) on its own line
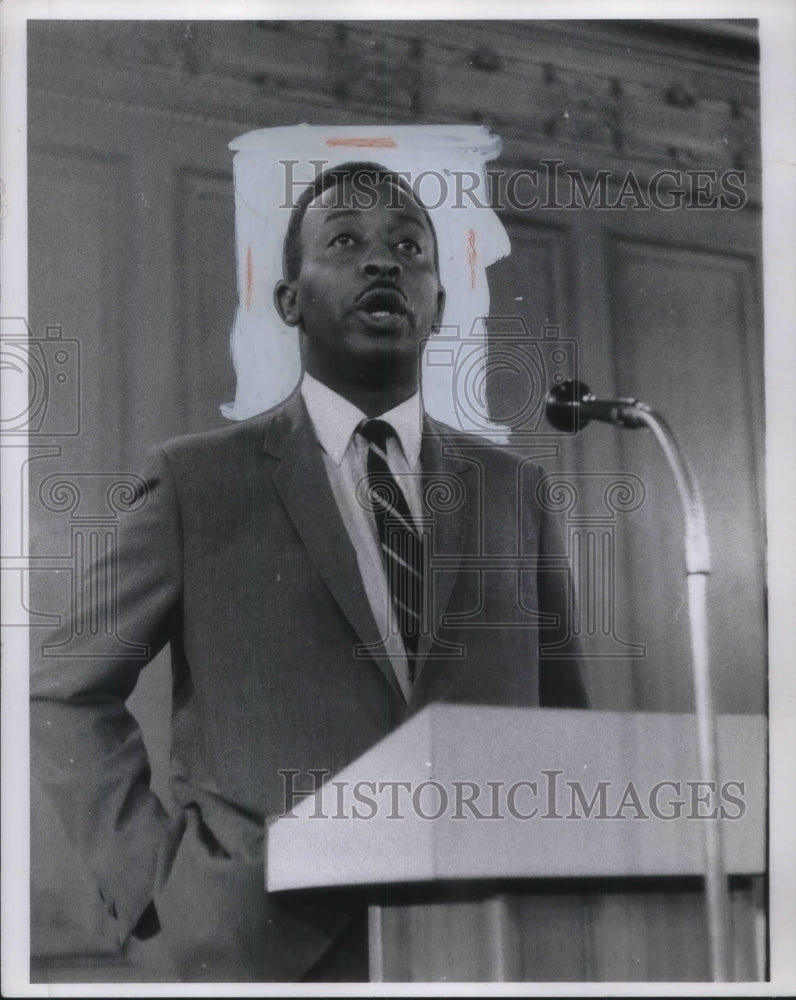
(570, 406)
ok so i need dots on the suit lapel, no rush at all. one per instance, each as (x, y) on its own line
(448, 527)
(303, 485)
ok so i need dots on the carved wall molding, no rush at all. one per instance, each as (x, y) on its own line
(678, 101)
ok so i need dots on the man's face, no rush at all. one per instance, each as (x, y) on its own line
(368, 292)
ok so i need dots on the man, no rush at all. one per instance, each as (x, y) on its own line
(299, 633)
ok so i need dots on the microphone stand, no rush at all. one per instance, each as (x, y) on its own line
(697, 556)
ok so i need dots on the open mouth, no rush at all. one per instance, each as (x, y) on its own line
(382, 303)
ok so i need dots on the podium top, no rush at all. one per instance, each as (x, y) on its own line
(472, 792)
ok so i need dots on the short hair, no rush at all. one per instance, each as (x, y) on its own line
(375, 173)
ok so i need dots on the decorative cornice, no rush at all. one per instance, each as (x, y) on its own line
(681, 95)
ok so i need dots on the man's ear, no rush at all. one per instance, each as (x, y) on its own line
(285, 300)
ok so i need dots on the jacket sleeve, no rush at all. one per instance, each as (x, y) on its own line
(86, 748)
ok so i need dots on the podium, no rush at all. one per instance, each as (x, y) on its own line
(508, 844)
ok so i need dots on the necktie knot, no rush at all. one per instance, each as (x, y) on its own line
(376, 432)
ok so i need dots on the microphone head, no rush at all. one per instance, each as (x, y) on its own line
(562, 407)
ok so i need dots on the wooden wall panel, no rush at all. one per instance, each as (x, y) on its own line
(576, 930)
(172, 234)
(681, 323)
(206, 295)
(528, 293)
(79, 214)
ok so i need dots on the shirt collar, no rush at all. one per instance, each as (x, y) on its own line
(335, 419)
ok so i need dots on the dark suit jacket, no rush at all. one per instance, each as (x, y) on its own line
(238, 557)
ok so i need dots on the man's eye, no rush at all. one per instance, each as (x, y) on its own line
(408, 245)
(342, 240)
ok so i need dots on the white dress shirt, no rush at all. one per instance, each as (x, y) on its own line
(335, 420)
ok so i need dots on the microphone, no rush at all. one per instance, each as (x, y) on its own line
(571, 405)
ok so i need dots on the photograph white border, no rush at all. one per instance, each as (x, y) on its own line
(777, 20)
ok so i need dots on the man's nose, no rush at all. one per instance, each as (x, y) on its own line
(382, 265)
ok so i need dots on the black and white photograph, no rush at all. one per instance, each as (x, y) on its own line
(397, 445)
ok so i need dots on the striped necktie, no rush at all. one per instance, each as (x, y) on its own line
(401, 545)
